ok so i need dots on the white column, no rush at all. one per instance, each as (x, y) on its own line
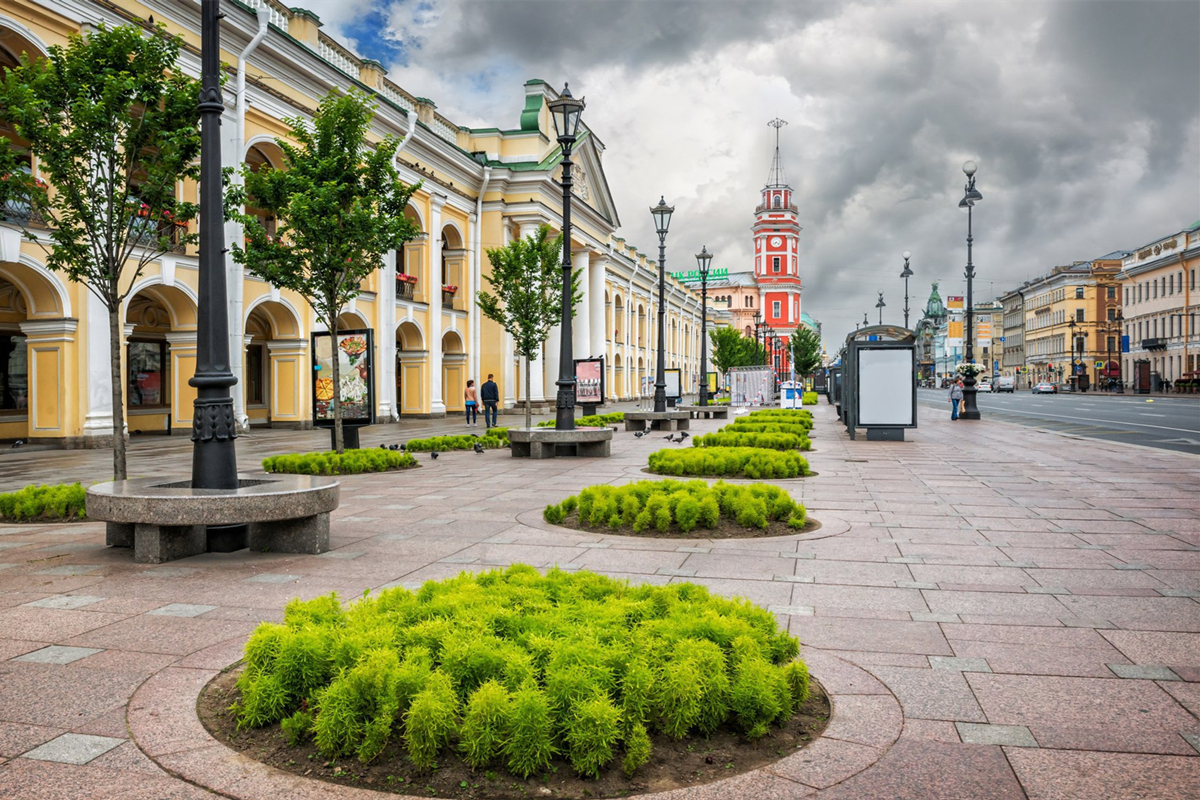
(581, 325)
(511, 391)
(599, 313)
(98, 423)
(630, 337)
(232, 155)
(385, 340)
(436, 403)
(538, 369)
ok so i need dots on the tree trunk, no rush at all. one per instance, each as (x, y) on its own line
(339, 443)
(118, 391)
(528, 407)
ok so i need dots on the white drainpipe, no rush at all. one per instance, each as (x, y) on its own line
(237, 302)
(477, 277)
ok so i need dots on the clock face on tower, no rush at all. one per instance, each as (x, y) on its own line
(776, 241)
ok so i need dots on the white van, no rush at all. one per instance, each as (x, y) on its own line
(1006, 383)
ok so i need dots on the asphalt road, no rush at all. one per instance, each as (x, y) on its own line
(1168, 423)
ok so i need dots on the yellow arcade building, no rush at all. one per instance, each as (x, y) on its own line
(481, 188)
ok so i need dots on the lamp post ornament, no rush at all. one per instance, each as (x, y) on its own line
(971, 196)
(881, 305)
(662, 221)
(566, 111)
(703, 260)
(906, 274)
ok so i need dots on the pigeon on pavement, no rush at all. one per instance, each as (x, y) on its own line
(433, 454)
(479, 448)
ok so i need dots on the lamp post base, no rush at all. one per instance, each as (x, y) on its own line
(969, 410)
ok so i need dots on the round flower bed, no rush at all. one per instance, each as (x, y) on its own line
(50, 503)
(487, 685)
(742, 462)
(493, 439)
(773, 441)
(678, 508)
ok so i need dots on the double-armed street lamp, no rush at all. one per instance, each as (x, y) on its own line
(881, 306)
(662, 221)
(971, 196)
(703, 260)
(1078, 349)
(566, 111)
(906, 274)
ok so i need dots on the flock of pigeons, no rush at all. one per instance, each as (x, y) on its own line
(478, 448)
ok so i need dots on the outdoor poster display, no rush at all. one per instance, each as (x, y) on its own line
(356, 366)
(885, 396)
(712, 382)
(673, 383)
(589, 381)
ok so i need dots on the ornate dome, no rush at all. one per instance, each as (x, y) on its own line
(935, 309)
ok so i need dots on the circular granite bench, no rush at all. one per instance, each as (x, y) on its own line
(549, 442)
(705, 412)
(164, 520)
(659, 420)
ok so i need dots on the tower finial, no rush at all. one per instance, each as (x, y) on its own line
(776, 178)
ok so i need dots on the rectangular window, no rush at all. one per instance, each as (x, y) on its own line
(1112, 314)
(256, 394)
(1155, 283)
(775, 309)
(1078, 292)
(146, 367)
(1192, 279)
(14, 373)
(1111, 344)
(1112, 293)
(775, 264)
(1171, 284)
(1079, 315)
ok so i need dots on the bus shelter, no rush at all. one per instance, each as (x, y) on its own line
(879, 382)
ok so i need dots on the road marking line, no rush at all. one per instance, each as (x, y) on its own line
(1103, 421)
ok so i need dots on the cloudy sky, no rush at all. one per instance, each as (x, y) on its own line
(1084, 118)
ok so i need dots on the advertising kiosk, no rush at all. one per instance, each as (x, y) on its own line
(879, 382)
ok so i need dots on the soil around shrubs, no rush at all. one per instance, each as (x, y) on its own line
(725, 529)
(673, 764)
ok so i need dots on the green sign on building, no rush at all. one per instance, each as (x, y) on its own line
(693, 275)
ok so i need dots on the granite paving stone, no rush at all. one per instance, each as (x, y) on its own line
(74, 748)
(1008, 735)
(1074, 775)
(1143, 672)
(931, 693)
(58, 654)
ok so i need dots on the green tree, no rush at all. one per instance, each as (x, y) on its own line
(527, 280)
(112, 122)
(806, 350)
(728, 348)
(338, 206)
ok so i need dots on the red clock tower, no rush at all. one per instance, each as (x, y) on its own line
(777, 255)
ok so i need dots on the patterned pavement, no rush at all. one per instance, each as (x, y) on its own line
(997, 612)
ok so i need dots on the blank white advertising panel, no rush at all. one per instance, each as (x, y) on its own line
(885, 387)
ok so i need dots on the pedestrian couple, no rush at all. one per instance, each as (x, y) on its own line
(489, 393)
(956, 396)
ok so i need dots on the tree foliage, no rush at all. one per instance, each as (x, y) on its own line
(806, 350)
(338, 205)
(112, 122)
(527, 282)
(733, 349)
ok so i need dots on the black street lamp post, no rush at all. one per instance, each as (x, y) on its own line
(881, 306)
(214, 456)
(757, 327)
(703, 259)
(566, 111)
(1078, 367)
(662, 221)
(1120, 323)
(971, 196)
(906, 274)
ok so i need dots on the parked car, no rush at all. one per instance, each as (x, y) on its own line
(1006, 383)
(1044, 387)
(985, 385)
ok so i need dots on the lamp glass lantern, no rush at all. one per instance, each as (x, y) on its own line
(566, 111)
(662, 216)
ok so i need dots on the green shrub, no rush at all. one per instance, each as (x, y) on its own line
(746, 425)
(351, 462)
(687, 505)
(781, 413)
(773, 441)
(808, 398)
(493, 439)
(591, 420)
(57, 501)
(532, 663)
(749, 462)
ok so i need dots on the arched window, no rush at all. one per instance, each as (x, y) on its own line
(778, 201)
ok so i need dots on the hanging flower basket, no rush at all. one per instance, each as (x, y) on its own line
(969, 370)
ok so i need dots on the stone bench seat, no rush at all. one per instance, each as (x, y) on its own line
(659, 420)
(549, 442)
(705, 412)
(163, 519)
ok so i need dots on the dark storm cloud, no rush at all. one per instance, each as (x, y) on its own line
(1083, 117)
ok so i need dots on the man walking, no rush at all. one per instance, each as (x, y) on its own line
(489, 393)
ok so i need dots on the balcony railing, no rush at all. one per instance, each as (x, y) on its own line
(448, 293)
(146, 232)
(21, 213)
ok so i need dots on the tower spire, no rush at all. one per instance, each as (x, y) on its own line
(776, 178)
